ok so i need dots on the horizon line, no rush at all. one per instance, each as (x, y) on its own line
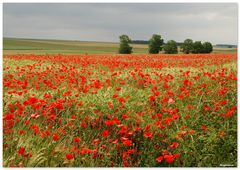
(52, 39)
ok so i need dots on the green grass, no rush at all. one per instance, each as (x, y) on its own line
(30, 46)
(225, 50)
(41, 46)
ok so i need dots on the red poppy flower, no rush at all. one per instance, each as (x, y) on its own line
(174, 145)
(159, 159)
(148, 134)
(169, 158)
(124, 116)
(221, 134)
(131, 151)
(105, 133)
(46, 96)
(126, 164)
(156, 93)
(191, 131)
(204, 127)
(80, 103)
(151, 98)
(115, 96)
(77, 139)
(165, 85)
(20, 151)
(69, 156)
(121, 100)
(118, 88)
(176, 155)
(21, 132)
(127, 142)
(171, 101)
(35, 116)
(56, 138)
(73, 117)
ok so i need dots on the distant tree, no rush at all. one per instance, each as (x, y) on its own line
(170, 47)
(187, 46)
(197, 47)
(139, 42)
(124, 45)
(207, 47)
(155, 44)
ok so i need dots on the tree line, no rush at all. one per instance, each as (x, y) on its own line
(156, 44)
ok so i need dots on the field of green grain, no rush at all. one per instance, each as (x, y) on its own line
(41, 46)
(29, 46)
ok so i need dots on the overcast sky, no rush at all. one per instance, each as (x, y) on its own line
(213, 22)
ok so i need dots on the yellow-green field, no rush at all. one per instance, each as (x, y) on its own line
(30, 46)
(40, 46)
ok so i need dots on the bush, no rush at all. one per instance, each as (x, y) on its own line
(170, 47)
(187, 46)
(207, 47)
(197, 47)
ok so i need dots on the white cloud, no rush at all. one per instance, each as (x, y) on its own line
(212, 22)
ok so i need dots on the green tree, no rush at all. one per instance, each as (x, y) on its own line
(207, 47)
(197, 47)
(124, 45)
(155, 44)
(187, 46)
(170, 47)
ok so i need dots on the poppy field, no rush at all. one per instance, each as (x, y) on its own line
(120, 110)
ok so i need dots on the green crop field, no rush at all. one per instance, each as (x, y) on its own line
(40, 46)
(29, 46)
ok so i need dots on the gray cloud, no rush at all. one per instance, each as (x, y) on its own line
(214, 22)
